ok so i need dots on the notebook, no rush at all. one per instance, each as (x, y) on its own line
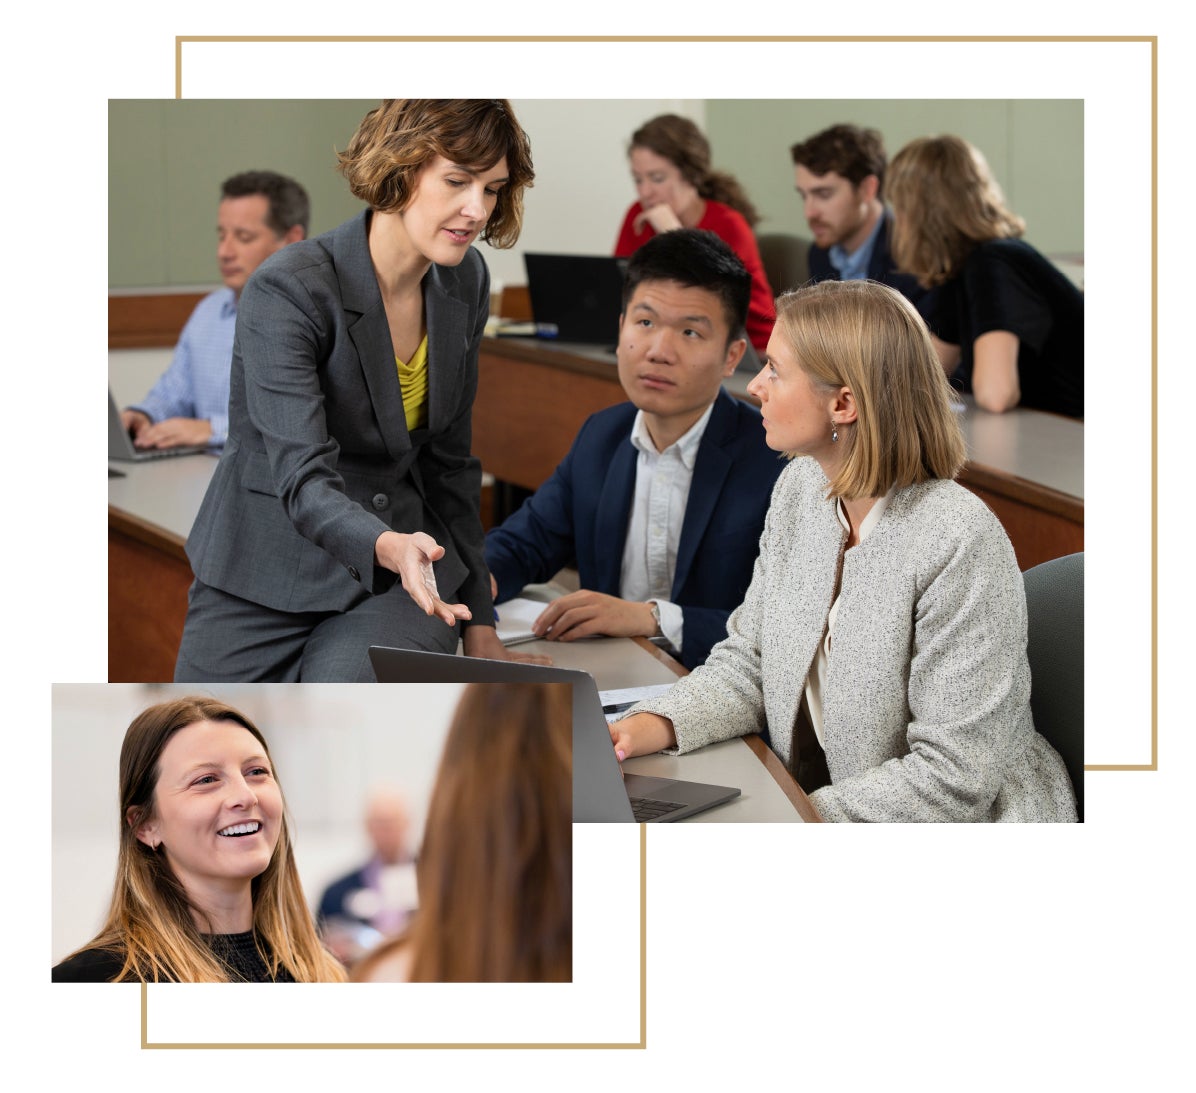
(601, 793)
(120, 444)
(576, 297)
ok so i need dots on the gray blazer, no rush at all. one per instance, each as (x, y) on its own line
(926, 709)
(319, 461)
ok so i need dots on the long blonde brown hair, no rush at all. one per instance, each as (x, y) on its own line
(150, 921)
(945, 201)
(683, 144)
(868, 337)
(495, 871)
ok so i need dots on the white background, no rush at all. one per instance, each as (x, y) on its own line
(900, 957)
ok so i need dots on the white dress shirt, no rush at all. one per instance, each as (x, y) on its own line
(662, 481)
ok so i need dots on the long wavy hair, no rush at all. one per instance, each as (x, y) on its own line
(495, 871)
(150, 921)
(681, 142)
(395, 140)
(945, 202)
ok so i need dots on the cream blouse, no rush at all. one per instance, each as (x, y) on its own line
(816, 680)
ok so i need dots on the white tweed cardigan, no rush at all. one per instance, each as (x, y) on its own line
(927, 702)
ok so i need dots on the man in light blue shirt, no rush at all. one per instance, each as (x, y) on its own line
(260, 212)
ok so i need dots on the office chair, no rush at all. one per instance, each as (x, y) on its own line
(785, 260)
(1055, 606)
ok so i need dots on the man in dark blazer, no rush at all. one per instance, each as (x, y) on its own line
(839, 174)
(661, 501)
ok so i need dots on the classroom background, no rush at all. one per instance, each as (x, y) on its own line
(167, 159)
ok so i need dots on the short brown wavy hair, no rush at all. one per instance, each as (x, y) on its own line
(396, 139)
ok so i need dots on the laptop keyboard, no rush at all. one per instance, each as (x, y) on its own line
(646, 809)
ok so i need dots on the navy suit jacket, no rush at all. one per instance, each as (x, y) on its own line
(881, 266)
(581, 515)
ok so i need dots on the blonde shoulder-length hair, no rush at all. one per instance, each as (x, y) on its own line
(150, 921)
(945, 201)
(867, 337)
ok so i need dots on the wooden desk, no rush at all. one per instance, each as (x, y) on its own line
(150, 512)
(533, 396)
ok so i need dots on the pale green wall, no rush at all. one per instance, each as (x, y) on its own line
(167, 160)
(1034, 147)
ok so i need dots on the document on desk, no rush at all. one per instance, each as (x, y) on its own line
(617, 702)
(515, 618)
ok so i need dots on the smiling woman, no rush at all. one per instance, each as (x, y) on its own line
(206, 885)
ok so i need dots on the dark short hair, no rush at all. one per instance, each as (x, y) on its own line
(694, 258)
(289, 204)
(847, 150)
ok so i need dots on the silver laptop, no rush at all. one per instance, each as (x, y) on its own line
(601, 792)
(120, 444)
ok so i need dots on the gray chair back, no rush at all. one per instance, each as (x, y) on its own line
(1055, 607)
(786, 260)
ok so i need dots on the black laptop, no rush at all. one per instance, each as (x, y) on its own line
(576, 297)
(601, 793)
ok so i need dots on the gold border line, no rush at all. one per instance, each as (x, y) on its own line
(146, 1045)
(1151, 39)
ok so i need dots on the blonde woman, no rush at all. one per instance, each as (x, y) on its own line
(206, 885)
(882, 643)
(1007, 324)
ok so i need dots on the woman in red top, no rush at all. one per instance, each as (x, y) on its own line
(670, 163)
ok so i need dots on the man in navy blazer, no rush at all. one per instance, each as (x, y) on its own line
(660, 502)
(839, 174)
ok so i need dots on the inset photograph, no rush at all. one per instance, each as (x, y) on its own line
(312, 833)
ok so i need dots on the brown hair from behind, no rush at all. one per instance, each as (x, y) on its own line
(868, 337)
(682, 143)
(850, 151)
(945, 202)
(396, 139)
(495, 871)
(150, 920)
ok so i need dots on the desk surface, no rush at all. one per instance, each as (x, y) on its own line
(163, 492)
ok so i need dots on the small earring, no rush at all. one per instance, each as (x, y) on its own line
(834, 430)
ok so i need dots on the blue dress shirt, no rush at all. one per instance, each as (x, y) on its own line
(196, 383)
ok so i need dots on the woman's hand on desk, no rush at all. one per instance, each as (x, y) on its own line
(483, 641)
(641, 734)
(586, 614)
(411, 557)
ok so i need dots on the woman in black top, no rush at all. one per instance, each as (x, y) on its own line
(206, 886)
(1007, 324)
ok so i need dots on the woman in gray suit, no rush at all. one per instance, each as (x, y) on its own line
(882, 643)
(344, 511)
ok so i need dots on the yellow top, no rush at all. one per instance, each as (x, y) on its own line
(413, 378)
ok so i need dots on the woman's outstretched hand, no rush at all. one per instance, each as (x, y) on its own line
(411, 557)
